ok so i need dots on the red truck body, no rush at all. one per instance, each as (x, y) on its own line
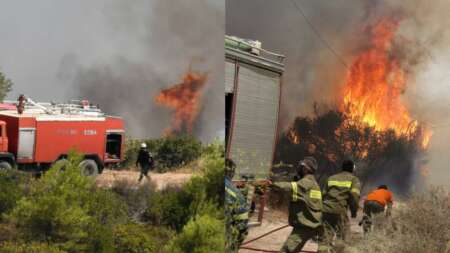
(40, 138)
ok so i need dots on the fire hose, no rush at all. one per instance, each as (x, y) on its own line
(264, 235)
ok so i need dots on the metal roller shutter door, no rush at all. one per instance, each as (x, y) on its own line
(230, 69)
(255, 123)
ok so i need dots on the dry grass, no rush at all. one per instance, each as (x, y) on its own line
(161, 180)
(422, 225)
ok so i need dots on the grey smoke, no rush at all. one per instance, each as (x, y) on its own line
(118, 54)
(313, 73)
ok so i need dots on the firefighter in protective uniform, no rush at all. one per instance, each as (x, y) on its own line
(236, 211)
(144, 161)
(305, 215)
(341, 192)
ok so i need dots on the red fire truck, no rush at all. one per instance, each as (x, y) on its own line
(36, 135)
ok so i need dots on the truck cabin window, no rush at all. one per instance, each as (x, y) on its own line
(113, 145)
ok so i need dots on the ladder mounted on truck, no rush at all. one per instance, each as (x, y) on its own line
(73, 107)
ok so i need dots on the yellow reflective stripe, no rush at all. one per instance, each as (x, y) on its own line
(294, 191)
(356, 190)
(242, 216)
(315, 194)
(230, 192)
(346, 184)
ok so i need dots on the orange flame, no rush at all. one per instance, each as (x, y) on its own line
(293, 137)
(426, 137)
(375, 83)
(185, 99)
(425, 171)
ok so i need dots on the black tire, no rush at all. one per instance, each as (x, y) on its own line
(89, 167)
(60, 164)
(5, 166)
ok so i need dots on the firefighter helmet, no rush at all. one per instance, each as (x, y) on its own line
(309, 163)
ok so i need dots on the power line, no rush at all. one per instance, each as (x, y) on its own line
(317, 33)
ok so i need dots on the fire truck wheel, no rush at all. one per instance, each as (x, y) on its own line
(89, 167)
(61, 163)
(5, 166)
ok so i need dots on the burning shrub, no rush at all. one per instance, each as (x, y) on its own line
(422, 224)
(370, 122)
(380, 155)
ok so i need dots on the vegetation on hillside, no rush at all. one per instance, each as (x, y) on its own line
(170, 152)
(64, 211)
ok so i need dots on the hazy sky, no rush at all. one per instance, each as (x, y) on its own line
(54, 50)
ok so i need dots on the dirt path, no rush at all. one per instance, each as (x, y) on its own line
(272, 220)
(162, 180)
(275, 219)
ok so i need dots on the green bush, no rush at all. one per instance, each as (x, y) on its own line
(66, 209)
(133, 238)
(14, 247)
(203, 194)
(213, 172)
(8, 232)
(138, 238)
(203, 234)
(11, 189)
(169, 152)
(136, 198)
(169, 207)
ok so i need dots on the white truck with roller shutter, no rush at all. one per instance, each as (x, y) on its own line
(252, 94)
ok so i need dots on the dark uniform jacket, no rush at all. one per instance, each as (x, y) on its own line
(341, 192)
(305, 207)
(144, 159)
(235, 202)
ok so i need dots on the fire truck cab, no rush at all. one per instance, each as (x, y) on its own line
(42, 134)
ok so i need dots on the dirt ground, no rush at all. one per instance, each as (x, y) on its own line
(274, 219)
(162, 180)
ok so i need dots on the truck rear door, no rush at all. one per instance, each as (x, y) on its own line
(26, 143)
(253, 133)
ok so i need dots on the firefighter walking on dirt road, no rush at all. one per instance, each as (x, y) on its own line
(341, 192)
(145, 162)
(236, 211)
(374, 204)
(305, 215)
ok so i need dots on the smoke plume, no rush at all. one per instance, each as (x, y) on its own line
(118, 54)
(315, 74)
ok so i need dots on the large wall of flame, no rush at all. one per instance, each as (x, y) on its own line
(315, 75)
